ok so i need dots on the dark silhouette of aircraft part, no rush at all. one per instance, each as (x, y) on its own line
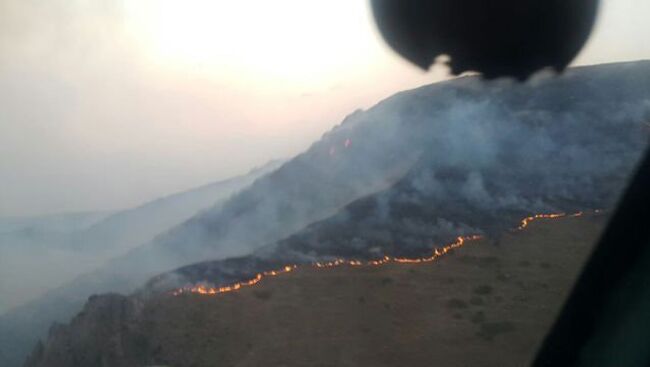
(495, 37)
(606, 319)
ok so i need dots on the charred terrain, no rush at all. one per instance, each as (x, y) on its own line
(459, 158)
(484, 304)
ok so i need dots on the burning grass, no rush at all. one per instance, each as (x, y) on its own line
(203, 289)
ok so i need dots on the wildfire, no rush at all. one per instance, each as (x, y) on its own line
(437, 253)
(526, 221)
(202, 289)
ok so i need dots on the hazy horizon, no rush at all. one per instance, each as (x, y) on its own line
(109, 104)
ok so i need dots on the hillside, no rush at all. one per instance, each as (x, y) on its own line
(497, 160)
(421, 167)
(485, 304)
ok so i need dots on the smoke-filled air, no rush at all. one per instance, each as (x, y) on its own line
(176, 176)
(406, 177)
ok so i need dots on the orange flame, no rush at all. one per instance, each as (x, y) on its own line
(201, 289)
(526, 221)
(437, 253)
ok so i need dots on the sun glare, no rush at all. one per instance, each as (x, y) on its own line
(288, 40)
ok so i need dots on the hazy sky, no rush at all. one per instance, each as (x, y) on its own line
(106, 104)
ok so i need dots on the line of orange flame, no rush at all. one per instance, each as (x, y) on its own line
(526, 221)
(438, 252)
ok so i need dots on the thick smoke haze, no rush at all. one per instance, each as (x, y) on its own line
(94, 117)
(40, 254)
(107, 105)
(414, 171)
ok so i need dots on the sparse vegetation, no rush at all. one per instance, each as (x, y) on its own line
(489, 330)
(481, 261)
(477, 301)
(456, 303)
(262, 294)
(478, 317)
(288, 320)
(483, 289)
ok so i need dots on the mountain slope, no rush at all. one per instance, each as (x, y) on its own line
(507, 147)
(420, 167)
(481, 305)
(486, 165)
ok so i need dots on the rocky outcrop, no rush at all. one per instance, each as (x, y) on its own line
(104, 334)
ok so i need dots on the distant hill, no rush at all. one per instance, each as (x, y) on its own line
(128, 228)
(41, 253)
(29, 243)
(62, 223)
(420, 167)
